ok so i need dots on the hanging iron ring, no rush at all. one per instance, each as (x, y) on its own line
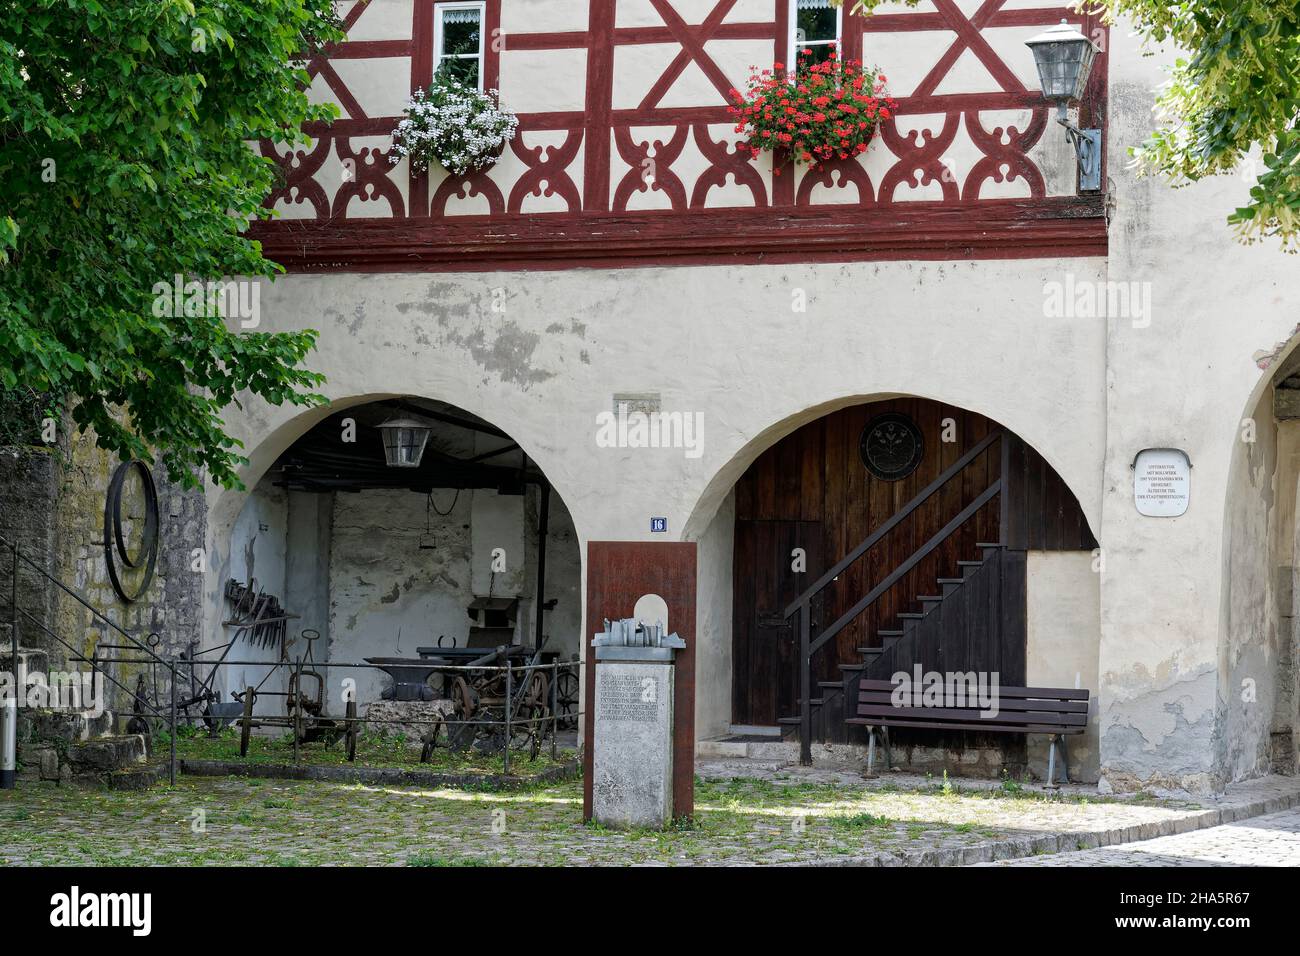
(115, 547)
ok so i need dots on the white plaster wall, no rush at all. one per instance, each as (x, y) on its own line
(1064, 626)
(1088, 392)
(726, 342)
(388, 597)
(1187, 379)
(1248, 655)
(497, 523)
(563, 624)
(713, 610)
(258, 543)
(306, 578)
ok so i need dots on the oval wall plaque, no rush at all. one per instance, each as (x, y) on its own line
(892, 446)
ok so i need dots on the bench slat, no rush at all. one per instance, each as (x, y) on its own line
(1050, 693)
(1050, 706)
(971, 715)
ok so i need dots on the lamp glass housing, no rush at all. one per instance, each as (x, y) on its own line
(1064, 58)
(404, 441)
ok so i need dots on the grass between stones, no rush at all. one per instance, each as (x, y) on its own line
(247, 821)
(373, 750)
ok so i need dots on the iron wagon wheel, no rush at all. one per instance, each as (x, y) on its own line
(246, 722)
(353, 732)
(464, 697)
(566, 698)
(537, 690)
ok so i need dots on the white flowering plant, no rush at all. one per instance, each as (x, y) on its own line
(460, 127)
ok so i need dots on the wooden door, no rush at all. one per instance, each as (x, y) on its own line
(765, 647)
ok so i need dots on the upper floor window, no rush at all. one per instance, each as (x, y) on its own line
(458, 41)
(815, 27)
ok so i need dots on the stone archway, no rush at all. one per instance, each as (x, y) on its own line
(807, 494)
(347, 546)
(1259, 701)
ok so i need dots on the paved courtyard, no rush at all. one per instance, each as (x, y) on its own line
(1271, 840)
(779, 817)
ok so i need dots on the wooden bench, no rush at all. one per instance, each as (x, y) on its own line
(1055, 711)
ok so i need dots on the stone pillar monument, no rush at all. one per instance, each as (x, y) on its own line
(632, 768)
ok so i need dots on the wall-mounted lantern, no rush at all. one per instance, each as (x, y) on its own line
(404, 441)
(1064, 58)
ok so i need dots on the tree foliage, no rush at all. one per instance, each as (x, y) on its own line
(1234, 87)
(124, 162)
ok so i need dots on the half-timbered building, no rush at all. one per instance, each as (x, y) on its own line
(905, 392)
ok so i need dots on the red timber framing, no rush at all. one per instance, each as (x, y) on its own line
(588, 164)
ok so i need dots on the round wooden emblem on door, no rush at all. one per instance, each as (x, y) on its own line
(892, 446)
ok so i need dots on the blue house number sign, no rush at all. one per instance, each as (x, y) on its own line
(658, 524)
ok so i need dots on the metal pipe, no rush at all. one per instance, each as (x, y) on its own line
(510, 688)
(543, 521)
(9, 733)
(9, 706)
(554, 703)
(805, 689)
(172, 769)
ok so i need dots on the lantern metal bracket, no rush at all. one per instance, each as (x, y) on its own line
(1087, 147)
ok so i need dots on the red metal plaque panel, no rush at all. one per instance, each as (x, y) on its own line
(618, 574)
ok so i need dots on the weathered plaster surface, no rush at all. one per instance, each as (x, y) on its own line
(1186, 379)
(541, 354)
(713, 599)
(1063, 604)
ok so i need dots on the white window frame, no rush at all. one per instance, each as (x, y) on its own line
(438, 10)
(792, 45)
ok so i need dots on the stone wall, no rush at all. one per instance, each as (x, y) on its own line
(52, 503)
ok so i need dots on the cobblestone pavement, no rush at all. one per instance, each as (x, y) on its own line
(1272, 840)
(791, 818)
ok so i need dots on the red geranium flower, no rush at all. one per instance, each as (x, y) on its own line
(832, 107)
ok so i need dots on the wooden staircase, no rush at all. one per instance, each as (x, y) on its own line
(960, 623)
(969, 603)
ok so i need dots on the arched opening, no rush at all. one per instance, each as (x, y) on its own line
(1259, 696)
(470, 548)
(921, 534)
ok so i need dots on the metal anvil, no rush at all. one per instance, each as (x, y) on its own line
(630, 640)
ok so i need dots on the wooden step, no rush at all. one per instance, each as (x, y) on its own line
(854, 668)
(831, 684)
(870, 652)
(909, 615)
(950, 584)
(930, 598)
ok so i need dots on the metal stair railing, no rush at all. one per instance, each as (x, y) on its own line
(75, 654)
(800, 608)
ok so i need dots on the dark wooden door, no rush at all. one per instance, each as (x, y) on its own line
(765, 647)
(813, 490)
